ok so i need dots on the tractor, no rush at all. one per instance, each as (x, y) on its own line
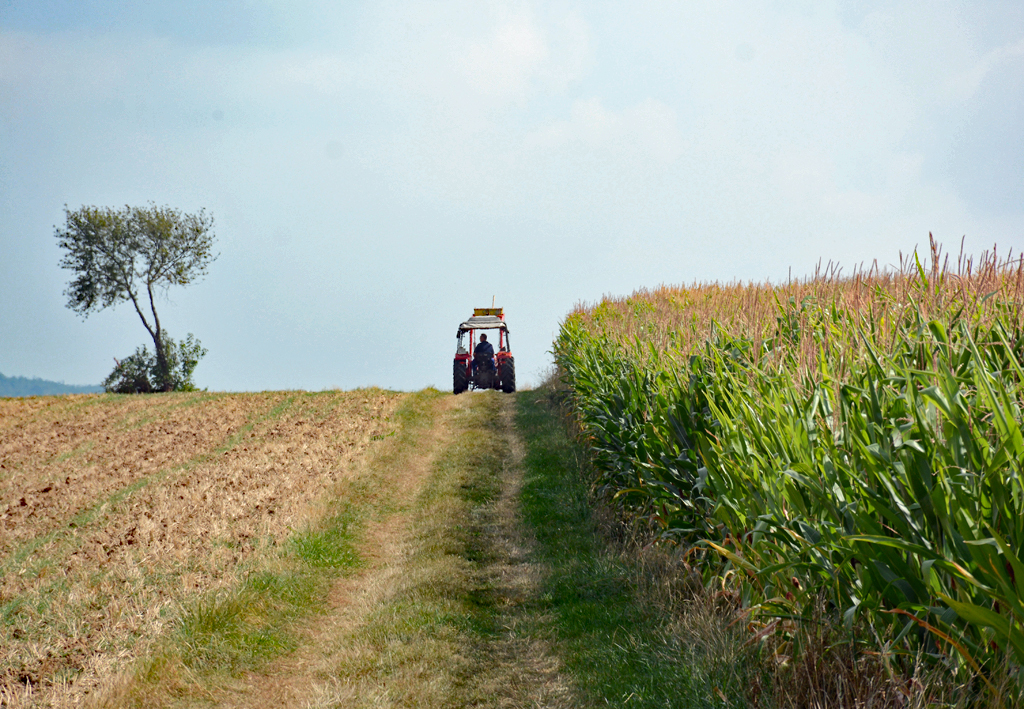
(479, 370)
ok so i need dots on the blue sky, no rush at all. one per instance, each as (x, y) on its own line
(376, 170)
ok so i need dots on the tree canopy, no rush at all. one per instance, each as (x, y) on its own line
(133, 255)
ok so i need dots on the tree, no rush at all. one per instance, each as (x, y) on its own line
(133, 255)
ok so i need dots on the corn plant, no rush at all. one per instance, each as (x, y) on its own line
(854, 441)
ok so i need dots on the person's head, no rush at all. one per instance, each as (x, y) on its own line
(483, 337)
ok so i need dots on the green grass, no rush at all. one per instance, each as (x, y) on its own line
(619, 648)
(227, 632)
(230, 631)
(331, 544)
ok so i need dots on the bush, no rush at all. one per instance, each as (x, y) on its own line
(139, 373)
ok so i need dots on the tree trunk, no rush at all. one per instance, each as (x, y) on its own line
(163, 370)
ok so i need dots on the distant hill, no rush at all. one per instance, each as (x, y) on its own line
(22, 386)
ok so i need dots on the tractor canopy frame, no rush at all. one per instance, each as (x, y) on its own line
(484, 322)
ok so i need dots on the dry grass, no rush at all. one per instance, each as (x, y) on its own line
(120, 509)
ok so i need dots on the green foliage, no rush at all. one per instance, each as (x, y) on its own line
(141, 373)
(883, 479)
(113, 253)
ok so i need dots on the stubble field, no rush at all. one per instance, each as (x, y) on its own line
(116, 510)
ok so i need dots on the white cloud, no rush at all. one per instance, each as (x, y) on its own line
(963, 85)
(524, 52)
(507, 61)
(647, 130)
(471, 57)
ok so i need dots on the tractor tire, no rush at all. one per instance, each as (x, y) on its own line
(460, 380)
(508, 375)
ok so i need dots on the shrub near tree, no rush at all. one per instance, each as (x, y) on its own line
(137, 373)
(133, 255)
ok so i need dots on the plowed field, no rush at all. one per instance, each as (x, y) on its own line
(116, 509)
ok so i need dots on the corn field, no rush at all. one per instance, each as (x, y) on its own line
(846, 442)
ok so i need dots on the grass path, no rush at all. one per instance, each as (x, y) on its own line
(463, 569)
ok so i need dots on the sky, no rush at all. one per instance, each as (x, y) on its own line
(377, 170)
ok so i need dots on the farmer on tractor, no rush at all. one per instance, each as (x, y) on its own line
(484, 354)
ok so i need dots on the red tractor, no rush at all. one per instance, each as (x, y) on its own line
(481, 370)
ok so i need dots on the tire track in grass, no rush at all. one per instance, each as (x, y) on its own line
(384, 493)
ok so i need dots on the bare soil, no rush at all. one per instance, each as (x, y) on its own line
(116, 509)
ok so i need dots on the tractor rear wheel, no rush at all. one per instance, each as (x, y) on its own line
(460, 378)
(508, 375)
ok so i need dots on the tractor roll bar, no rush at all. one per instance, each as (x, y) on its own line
(485, 322)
